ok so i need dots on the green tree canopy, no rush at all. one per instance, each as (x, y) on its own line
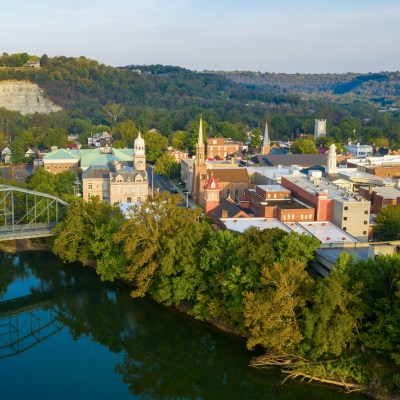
(303, 146)
(387, 224)
(155, 145)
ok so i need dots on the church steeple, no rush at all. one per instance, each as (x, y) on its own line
(266, 144)
(266, 136)
(200, 145)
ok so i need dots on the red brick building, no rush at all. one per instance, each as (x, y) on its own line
(221, 147)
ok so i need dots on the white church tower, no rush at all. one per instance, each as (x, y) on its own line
(139, 155)
(331, 167)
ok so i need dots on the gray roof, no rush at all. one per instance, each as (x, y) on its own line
(305, 160)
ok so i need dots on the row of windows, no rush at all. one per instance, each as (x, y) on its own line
(346, 208)
(302, 216)
(345, 229)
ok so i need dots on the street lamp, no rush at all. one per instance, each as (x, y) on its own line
(187, 198)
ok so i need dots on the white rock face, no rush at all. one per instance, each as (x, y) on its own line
(25, 97)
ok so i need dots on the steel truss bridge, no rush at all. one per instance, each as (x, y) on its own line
(26, 214)
(25, 322)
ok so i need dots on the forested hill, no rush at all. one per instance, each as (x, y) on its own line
(232, 103)
(366, 85)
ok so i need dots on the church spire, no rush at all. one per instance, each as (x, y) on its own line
(200, 139)
(266, 144)
(266, 136)
(200, 145)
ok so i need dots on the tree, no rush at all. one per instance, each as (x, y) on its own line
(387, 224)
(272, 313)
(44, 60)
(55, 137)
(167, 166)
(145, 235)
(303, 146)
(112, 112)
(79, 236)
(255, 138)
(332, 321)
(125, 132)
(178, 140)
(155, 145)
(380, 283)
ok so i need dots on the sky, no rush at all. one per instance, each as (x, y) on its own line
(303, 36)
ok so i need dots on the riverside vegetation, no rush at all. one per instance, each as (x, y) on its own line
(343, 329)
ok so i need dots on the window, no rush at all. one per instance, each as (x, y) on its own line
(228, 192)
(90, 185)
(346, 208)
(129, 200)
(344, 228)
(236, 195)
(365, 222)
(344, 218)
(366, 212)
(364, 232)
(139, 199)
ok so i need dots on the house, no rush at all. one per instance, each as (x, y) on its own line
(6, 155)
(100, 140)
(178, 154)
(30, 153)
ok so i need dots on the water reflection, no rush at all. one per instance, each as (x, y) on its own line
(163, 354)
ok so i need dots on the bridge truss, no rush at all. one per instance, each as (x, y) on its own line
(26, 322)
(25, 213)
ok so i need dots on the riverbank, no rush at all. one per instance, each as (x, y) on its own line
(17, 246)
(35, 245)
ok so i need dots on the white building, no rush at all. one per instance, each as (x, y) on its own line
(359, 150)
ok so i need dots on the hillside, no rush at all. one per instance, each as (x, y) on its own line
(383, 84)
(232, 103)
(25, 97)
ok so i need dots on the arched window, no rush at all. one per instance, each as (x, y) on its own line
(228, 193)
(236, 195)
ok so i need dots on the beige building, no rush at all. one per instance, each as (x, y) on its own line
(119, 182)
(115, 184)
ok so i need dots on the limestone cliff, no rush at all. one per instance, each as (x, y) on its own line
(25, 97)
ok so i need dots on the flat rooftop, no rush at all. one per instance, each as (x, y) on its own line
(241, 224)
(273, 188)
(322, 185)
(325, 232)
(285, 204)
(386, 192)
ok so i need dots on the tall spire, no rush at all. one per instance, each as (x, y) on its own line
(200, 145)
(266, 141)
(200, 139)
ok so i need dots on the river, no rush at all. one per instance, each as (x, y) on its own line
(66, 335)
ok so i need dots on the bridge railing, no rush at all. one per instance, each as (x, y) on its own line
(27, 227)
